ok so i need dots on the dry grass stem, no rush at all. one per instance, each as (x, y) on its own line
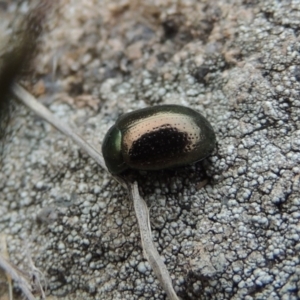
(36, 274)
(150, 252)
(21, 282)
(140, 205)
(45, 114)
(4, 251)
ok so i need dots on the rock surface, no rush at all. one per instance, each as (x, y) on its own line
(228, 227)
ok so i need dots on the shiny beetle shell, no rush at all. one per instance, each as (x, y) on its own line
(157, 138)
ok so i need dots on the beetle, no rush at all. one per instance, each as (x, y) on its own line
(157, 137)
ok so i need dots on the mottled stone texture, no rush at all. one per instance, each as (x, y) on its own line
(228, 227)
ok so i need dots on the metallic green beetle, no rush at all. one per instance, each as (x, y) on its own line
(157, 138)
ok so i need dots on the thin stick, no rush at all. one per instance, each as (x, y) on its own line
(150, 252)
(20, 280)
(44, 113)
